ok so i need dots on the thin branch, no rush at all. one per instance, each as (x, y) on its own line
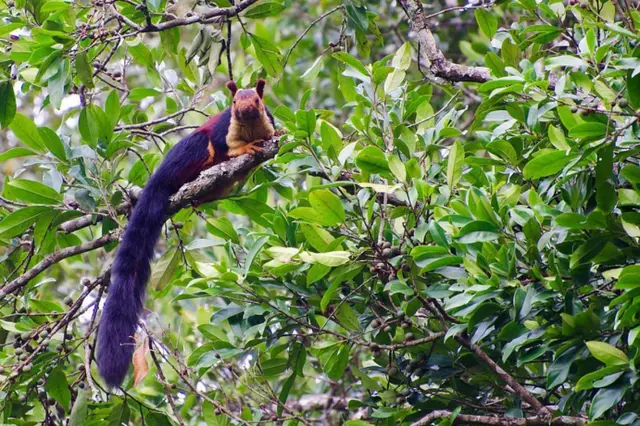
(156, 121)
(54, 258)
(499, 421)
(163, 381)
(438, 64)
(204, 18)
(286, 58)
(228, 46)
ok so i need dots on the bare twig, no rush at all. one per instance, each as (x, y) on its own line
(286, 58)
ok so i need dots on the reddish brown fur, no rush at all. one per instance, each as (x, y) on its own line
(250, 123)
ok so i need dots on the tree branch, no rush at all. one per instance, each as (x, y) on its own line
(54, 258)
(208, 182)
(438, 64)
(518, 389)
(500, 421)
(205, 17)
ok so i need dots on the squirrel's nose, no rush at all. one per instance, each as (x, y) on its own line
(249, 113)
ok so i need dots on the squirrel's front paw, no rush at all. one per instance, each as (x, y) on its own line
(249, 148)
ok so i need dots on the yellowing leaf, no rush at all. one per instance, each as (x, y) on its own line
(606, 353)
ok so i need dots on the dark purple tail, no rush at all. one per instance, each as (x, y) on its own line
(131, 268)
(129, 276)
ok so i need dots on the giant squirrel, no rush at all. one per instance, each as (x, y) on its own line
(233, 132)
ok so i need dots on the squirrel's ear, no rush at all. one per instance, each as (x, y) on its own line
(260, 87)
(232, 86)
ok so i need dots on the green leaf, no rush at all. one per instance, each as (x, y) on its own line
(559, 369)
(510, 53)
(588, 131)
(547, 164)
(356, 15)
(84, 69)
(223, 228)
(605, 399)
(338, 363)
(112, 108)
(331, 137)
(7, 104)
(312, 72)
(209, 410)
(79, 411)
(306, 121)
(328, 205)
(587, 251)
(31, 191)
(284, 393)
(487, 21)
(633, 89)
(326, 297)
(119, 414)
(316, 237)
(556, 136)
(499, 83)
(253, 252)
(564, 61)
(27, 132)
(397, 168)
(397, 287)
(264, 10)
(394, 80)
(347, 317)
(139, 93)
(20, 220)
(284, 113)
(587, 381)
(16, 153)
(567, 117)
(317, 272)
(274, 367)
(267, 54)
(352, 62)
(310, 215)
(495, 64)
(142, 54)
(372, 160)
(164, 270)
(455, 162)
(330, 258)
(606, 353)
(53, 143)
(402, 58)
(58, 388)
(94, 126)
(478, 231)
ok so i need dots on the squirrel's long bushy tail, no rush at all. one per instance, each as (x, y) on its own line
(129, 276)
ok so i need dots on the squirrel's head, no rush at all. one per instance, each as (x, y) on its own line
(247, 103)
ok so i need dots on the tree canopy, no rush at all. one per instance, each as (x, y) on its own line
(446, 234)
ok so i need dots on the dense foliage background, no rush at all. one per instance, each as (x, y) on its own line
(448, 233)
